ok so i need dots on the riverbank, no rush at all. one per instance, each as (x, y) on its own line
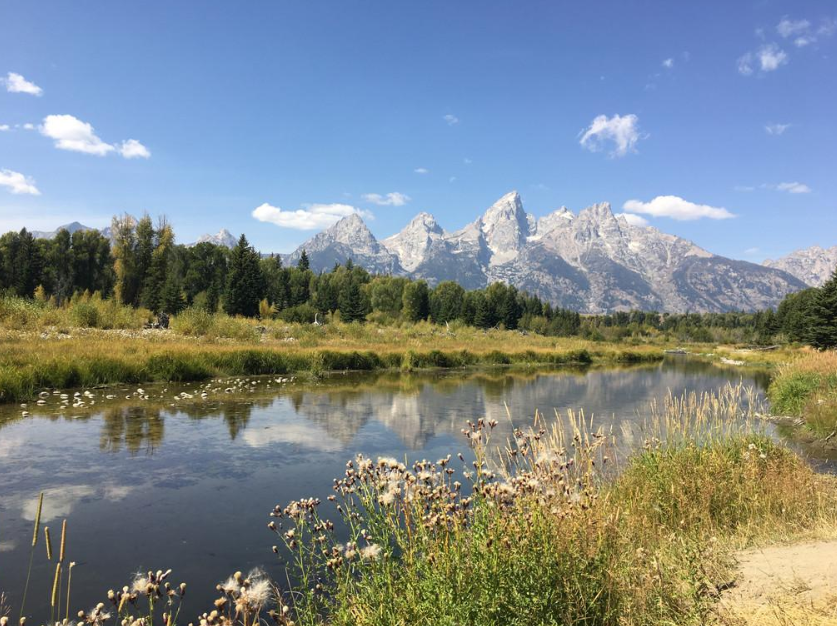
(86, 357)
(806, 388)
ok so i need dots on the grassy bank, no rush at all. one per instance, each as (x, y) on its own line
(553, 529)
(806, 387)
(223, 346)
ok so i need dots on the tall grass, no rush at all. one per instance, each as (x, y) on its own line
(807, 387)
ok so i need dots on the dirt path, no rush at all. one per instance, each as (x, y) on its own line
(787, 585)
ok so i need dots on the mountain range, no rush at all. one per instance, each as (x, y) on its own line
(592, 261)
(812, 266)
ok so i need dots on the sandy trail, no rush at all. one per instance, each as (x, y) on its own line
(785, 585)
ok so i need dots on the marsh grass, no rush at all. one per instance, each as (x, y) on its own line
(31, 361)
(806, 387)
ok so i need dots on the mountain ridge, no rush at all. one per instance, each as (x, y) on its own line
(592, 261)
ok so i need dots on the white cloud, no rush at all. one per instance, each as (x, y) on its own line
(793, 187)
(28, 126)
(390, 199)
(676, 208)
(668, 63)
(622, 130)
(451, 120)
(788, 28)
(15, 83)
(752, 251)
(776, 129)
(4, 128)
(133, 149)
(17, 183)
(633, 219)
(421, 170)
(803, 32)
(770, 57)
(312, 217)
(70, 133)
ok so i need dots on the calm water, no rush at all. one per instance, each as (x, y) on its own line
(146, 485)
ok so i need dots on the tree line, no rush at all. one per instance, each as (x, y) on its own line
(140, 265)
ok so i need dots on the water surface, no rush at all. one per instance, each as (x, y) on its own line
(187, 484)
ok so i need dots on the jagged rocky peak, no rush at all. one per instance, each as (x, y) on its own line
(413, 242)
(505, 227)
(222, 238)
(350, 230)
(559, 218)
(813, 265)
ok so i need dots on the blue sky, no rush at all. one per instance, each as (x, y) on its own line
(205, 111)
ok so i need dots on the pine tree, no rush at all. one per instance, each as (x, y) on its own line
(352, 306)
(415, 301)
(822, 324)
(303, 263)
(245, 283)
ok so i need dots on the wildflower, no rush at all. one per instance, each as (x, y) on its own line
(370, 552)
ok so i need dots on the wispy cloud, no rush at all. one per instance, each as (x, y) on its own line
(389, 199)
(5, 128)
(70, 133)
(451, 120)
(744, 188)
(668, 63)
(793, 187)
(467, 161)
(421, 170)
(803, 32)
(767, 58)
(311, 217)
(622, 131)
(17, 183)
(15, 83)
(676, 208)
(776, 129)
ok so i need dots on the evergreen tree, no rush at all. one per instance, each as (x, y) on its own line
(446, 302)
(822, 330)
(245, 283)
(352, 305)
(415, 301)
(303, 264)
(484, 315)
(171, 297)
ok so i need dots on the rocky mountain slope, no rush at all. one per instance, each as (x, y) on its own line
(71, 228)
(222, 238)
(593, 261)
(813, 266)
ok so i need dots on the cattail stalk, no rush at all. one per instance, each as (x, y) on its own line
(63, 541)
(54, 598)
(48, 542)
(35, 530)
(38, 520)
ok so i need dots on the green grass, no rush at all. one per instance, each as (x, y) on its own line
(546, 534)
(807, 388)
